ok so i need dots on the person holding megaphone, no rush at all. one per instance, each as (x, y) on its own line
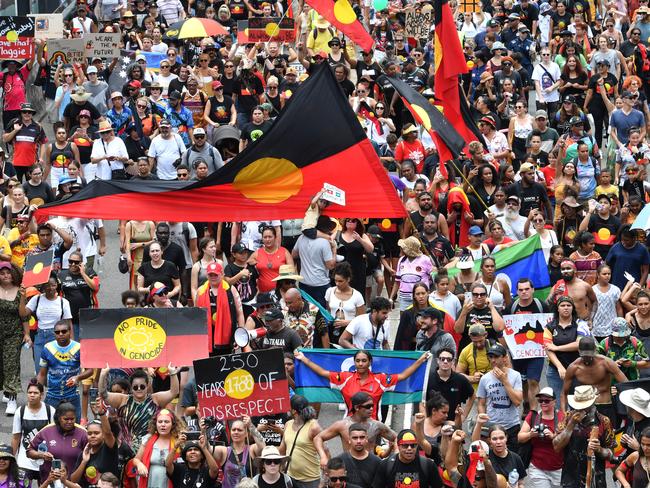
(273, 334)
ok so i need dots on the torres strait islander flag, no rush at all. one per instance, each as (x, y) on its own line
(317, 139)
(142, 337)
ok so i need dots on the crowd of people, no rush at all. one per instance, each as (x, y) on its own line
(569, 168)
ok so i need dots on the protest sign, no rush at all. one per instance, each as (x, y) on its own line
(142, 337)
(524, 334)
(253, 384)
(37, 268)
(242, 31)
(274, 28)
(469, 6)
(16, 37)
(102, 45)
(66, 50)
(48, 26)
(333, 194)
(317, 389)
(418, 22)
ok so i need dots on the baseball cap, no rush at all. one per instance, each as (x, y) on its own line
(576, 120)
(374, 231)
(239, 247)
(165, 122)
(273, 314)
(406, 436)
(477, 330)
(216, 84)
(91, 69)
(526, 167)
(626, 94)
(140, 57)
(199, 131)
(603, 62)
(176, 95)
(291, 71)
(475, 230)
(497, 350)
(513, 197)
(541, 114)
(135, 84)
(214, 268)
(547, 391)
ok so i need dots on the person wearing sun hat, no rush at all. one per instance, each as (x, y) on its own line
(627, 351)
(401, 468)
(271, 468)
(573, 436)
(9, 468)
(109, 154)
(224, 307)
(412, 264)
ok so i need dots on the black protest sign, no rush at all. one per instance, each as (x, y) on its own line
(253, 384)
(16, 37)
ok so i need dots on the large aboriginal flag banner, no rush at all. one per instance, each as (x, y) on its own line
(316, 139)
(253, 384)
(142, 337)
(341, 15)
(318, 389)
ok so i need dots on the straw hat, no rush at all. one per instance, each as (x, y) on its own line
(287, 272)
(104, 126)
(584, 396)
(80, 94)
(321, 23)
(271, 452)
(410, 246)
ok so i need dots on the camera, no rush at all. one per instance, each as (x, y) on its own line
(209, 422)
(192, 435)
(539, 429)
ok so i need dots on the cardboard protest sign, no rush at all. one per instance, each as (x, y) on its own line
(469, 6)
(419, 22)
(271, 29)
(38, 267)
(66, 50)
(333, 194)
(253, 384)
(16, 37)
(142, 337)
(524, 334)
(48, 26)
(102, 45)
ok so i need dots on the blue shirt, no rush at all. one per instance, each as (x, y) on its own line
(586, 173)
(621, 259)
(181, 121)
(119, 121)
(623, 122)
(62, 363)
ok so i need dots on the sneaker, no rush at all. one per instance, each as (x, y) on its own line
(5, 398)
(11, 407)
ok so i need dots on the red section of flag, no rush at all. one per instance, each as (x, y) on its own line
(332, 11)
(521, 338)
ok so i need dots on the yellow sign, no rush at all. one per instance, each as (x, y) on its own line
(139, 338)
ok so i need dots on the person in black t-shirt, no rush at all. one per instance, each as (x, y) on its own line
(454, 387)
(360, 464)
(252, 131)
(171, 251)
(199, 468)
(158, 270)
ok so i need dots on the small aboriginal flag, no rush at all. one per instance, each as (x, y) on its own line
(530, 332)
(142, 337)
(37, 268)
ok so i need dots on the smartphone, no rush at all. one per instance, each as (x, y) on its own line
(92, 393)
(192, 435)
(56, 464)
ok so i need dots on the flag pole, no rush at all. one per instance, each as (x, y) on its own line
(468, 184)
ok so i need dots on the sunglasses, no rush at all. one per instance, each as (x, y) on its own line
(229, 66)
(445, 360)
(203, 60)
(544, 401)
(334, 479)
(199, 136)
(73, 262)
(182, 175)
(164, 66)
(408, 446)
(272, 461)
(142, 106)
(61, 332)
(479, 294)
(161, 293)
(139, 387)
(367, 406)
(538, 221)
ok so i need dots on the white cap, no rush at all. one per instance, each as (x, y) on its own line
(546, 391)
(199, 131)
(91, 69)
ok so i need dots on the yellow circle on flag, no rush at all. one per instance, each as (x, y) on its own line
(239, 384)
(407, 481)
(38, 267)
(269, 180)
(530, 335)
(423, 115)
(470, 64)
(12, 36)
(343, 12)
(272, 29)
(386, 223)
(604, 234)
(607, 86)
(139, 338)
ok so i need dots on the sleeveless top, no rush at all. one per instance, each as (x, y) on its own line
(234, 468)
(268, 266)
(60, 158)
(494, 294)
(136, 417)
(640, 477)
(522, 130)
(304, 464)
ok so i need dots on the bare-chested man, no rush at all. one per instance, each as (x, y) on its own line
(583, 295)
(596, 370)
(362, 406)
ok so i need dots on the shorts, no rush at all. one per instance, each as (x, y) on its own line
(391, 249)
(529, 368)
(540, 478)
(371, 279)
(89, 381)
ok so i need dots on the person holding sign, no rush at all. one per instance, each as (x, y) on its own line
(351, 382)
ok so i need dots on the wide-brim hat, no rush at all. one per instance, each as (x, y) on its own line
(27, 107)
(263, 299)
(584, 396)
(465, 262)
(7, 62)
(80, 95)
(104, 126)
(271, 452)
(571, 202)
(287, 272)
(321, 22)
(637, 399)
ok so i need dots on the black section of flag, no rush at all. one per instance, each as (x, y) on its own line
(38, 267)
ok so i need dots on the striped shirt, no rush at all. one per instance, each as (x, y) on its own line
(170, 10)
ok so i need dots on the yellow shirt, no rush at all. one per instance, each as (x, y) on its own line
(472, 363)
(611, 189)
(305, 464)
(319, 43)
(4, 246)
(21, 250)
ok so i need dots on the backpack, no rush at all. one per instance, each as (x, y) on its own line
(21, 411)
(635, 343)
(515, 305)
(287, 480)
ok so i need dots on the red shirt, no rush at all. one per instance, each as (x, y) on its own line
(26, 144)
(543, 455)
(549, 176)
(349, 383)
(411, 150)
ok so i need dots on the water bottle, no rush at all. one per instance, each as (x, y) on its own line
(42, 447)
(99, 264)
(513, 478)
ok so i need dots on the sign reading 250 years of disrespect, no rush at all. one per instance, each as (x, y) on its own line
(142, 337)
(253, 384)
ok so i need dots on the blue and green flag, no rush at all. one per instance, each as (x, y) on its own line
(317, 389)
(522, 260)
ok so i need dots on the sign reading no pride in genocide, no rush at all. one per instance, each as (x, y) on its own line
(142, 337)
(253, 384)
